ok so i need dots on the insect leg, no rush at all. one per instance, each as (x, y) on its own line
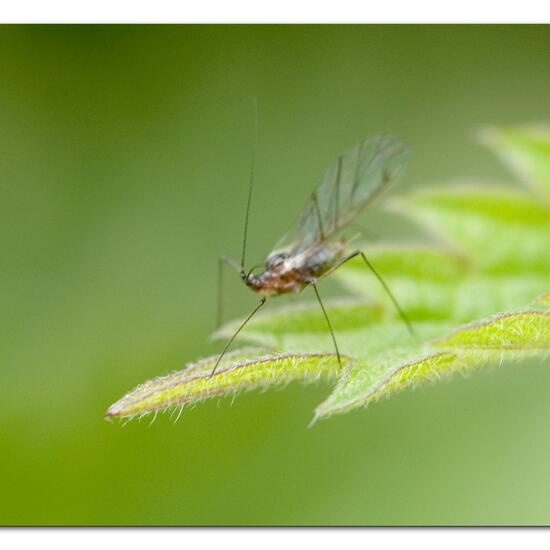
(402, 314)
(328, 323)
(221, 261)
(262, 302)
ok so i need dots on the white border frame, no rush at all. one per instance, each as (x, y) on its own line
(281, 11)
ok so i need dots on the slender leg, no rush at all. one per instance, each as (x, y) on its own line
(390, 294)
(262, 302)
(221, 261)
(328, 323)
(384, 286)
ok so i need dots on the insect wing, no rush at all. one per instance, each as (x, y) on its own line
(348, 186)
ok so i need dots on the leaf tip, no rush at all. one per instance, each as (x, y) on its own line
(114, 411)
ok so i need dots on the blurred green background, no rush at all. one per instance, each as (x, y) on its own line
(124, 158)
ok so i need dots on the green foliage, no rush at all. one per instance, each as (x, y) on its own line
(477, 295)
(241, 370)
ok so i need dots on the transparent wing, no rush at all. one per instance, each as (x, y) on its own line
(348, 186)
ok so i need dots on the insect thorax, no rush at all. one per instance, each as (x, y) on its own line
(285, 273)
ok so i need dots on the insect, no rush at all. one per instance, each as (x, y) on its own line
(318, 246)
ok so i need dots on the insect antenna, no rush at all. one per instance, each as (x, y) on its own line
(250, 185)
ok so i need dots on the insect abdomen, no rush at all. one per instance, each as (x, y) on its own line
(322, 260)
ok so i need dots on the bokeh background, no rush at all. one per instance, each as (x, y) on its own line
(124, 158)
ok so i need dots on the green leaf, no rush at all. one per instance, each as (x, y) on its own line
(277, 330)
(523, 331)
(526, 150)
(505, 337)
(477, 292)
(501, 229)
(367, 382)
(239, 371)
(543, 301)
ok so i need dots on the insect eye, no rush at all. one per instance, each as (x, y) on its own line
(275, 260)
